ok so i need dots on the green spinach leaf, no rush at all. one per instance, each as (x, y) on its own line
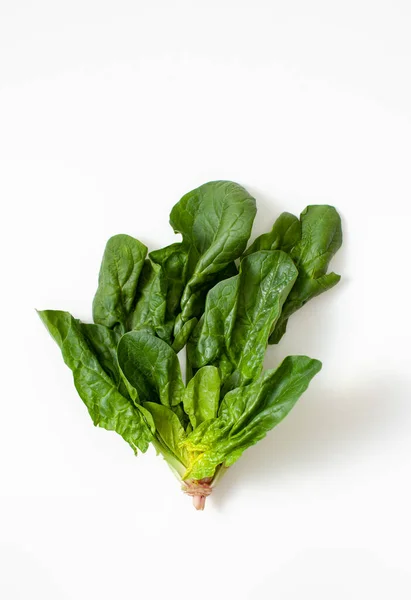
(266, 278)
(169, 432)
(215, 221)
(108, 408)
(183, 335)
(173, 261)
(321, 237)
(150, 306)
(285, 234)
(159, 293)
(151, 367)
(247, 414)
(225, 303)
(119, 273)
(240, 314)
(202, 396)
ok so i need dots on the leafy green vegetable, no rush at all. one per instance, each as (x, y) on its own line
(103, 342)
(241, 312)
(285, 234)
(117, 283)
(170, 433)
(151, 367)
(150, 306)
(215, 221)
(173, 261)
(159, 294)
(202, 395)
(183, 335)
(321, 237)
(223, 303)
(247, 414)
(107, 407)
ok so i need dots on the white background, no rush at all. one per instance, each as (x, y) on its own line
(109, 112)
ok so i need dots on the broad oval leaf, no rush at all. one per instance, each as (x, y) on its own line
(215, 221)
(151, 367)
(321, 237)
(119, 273)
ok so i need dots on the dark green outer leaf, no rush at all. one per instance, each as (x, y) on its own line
(107, 407)
(266, 278)
(215, 221)
(183, 335)
(173, 261)
(247, 414)
(276, 390)
(149, 311)
(151, 367)
(159, 293)
(240, 314)
(119, 273)
(197, 300)
(285, 234)
(214, 329)
(321, 237)
(103, 342)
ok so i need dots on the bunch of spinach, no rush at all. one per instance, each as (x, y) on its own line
(225, 303)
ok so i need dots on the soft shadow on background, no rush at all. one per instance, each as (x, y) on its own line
(336, 424)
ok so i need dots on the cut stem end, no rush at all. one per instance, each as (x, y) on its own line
(199, 489)
(199, 502)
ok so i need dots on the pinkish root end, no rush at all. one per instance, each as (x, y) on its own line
(199, 489)
(199, 502)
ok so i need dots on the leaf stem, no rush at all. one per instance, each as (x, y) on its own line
(219, 472)
(174, 464)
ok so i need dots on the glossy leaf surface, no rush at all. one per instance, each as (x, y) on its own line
(119, 273)
(247, 414)
(202, 395)
(240, 314)
(108, 408)
(151, 367)
(321, 237)
(215, 221)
